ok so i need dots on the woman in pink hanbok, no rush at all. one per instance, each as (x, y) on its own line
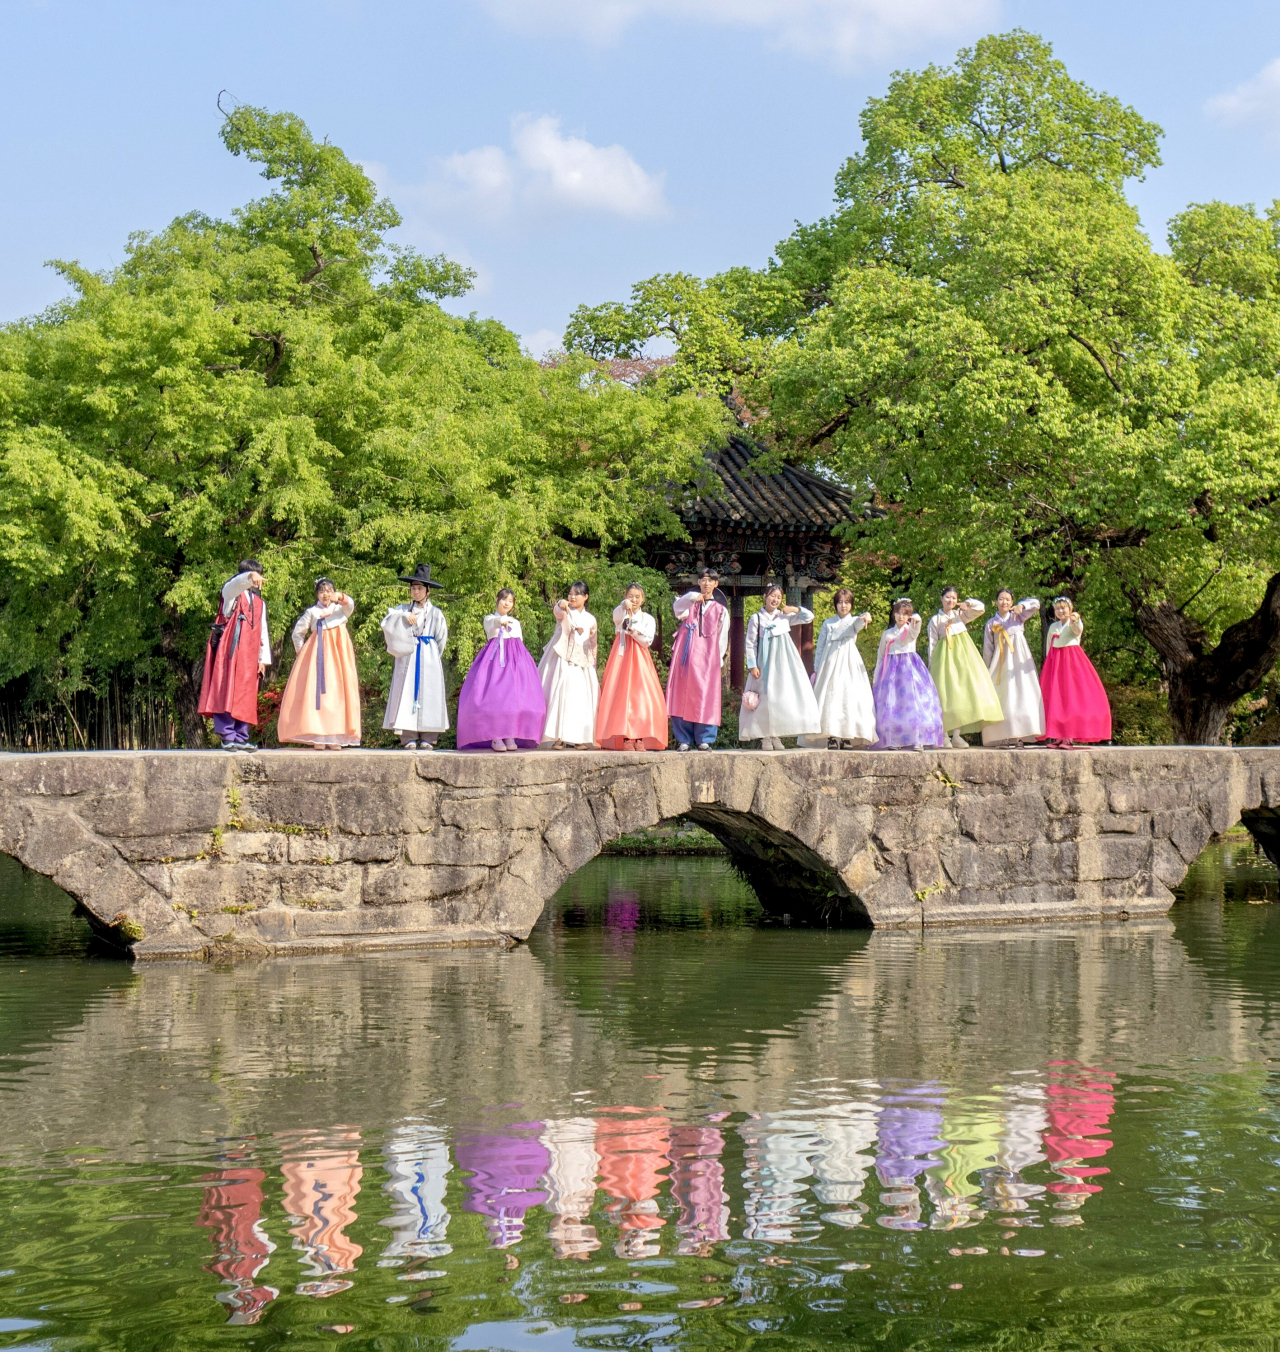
(1076, 708)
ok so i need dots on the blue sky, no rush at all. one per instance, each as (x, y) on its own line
(564, 148)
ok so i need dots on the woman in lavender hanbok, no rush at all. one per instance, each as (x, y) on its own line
(1013, 672)
(502, 705)
(908, 713)
(506, 1169)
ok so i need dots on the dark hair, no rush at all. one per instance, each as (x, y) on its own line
(248, 566)
(771, 587)
(711, 573)
(579, 589)
(899, 604)
(844, 594)
(324, 582)
(1003, 591)
(635, 586)
(948, 588)
(504, 591)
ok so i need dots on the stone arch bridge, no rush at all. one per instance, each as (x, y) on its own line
(191, 854)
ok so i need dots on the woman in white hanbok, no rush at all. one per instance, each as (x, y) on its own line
(1013, 672)
(842, 688)
(778, 685)
(570, 683)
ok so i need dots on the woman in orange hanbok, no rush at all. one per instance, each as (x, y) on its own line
(632, 714)
(321, 704)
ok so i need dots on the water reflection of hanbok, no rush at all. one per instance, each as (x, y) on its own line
(571, 1185)
(1019, 1148)
(506, 1168)
(972, 1134)
(1080, 1101)
(232, 1210)
(697, 1184)
(417, 1160)
(777, 1167)
(908, 1137)
(846, 1133)
(320, 1186)
(633, 1163)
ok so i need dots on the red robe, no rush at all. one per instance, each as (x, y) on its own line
(231, 668)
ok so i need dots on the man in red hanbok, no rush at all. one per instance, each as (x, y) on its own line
(236, 659)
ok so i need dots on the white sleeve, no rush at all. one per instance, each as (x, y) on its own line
(619, 614)
(439, 629)
(232, 589)
(1030, 604)
(753, 638)
(724, 636)
(1076, 625)
(516, 630)
(859, 624)
(683, 604)
(643, 627)
(491, 626)
(938, 626)
(989, 640)
(976, 606)
(885, 640)
(264, 648)
(820, 649)
(802, 616)
(591, 644)
(399, 636)
(302, 629)
(348, 607)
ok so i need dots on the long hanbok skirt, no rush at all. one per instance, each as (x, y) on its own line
(1013, 673)
(501, 697)
(633, 706)
(334, 718)
(572, 694)
(787, 707)
(1076, 707)
(846, 706)
(965, 691)
(907, 708)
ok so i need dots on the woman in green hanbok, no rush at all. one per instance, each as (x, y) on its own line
(965, 689)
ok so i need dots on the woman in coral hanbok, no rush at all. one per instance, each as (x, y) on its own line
(321, 704)
(632, 714)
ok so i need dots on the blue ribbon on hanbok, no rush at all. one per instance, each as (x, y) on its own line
(319, 661)
(769, 635)
(417, 665)
(688, 633)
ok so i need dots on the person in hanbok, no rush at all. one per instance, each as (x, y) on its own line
(633, 710)
(236, 658)
(777, 700)
(697, 660)
(965, 691)
(907, 710)
(1076, 708)
(842, 688)
(1013, 673)
(321, 703)
(501, 705)
(567, 671)
(416, 633)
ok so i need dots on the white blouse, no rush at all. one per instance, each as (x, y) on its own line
(332, 615)
(943, 624)
(896, 640)
(230, 591)
(764, 627)
(506, 625)
(643, 627)
(1008, 623)
(835, 631)
(1066, 633)
(574, 640)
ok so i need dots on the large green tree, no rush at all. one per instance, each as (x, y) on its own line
(982, 336)
(285, 383)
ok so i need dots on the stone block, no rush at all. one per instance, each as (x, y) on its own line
(635, 804)
(1131, 824)
(367, 849)
(999, 818)
(572, 836)
(396, 884)
(1186, 828)
(1113, 857)
(267, 847)
(153, 849)
(451, 846)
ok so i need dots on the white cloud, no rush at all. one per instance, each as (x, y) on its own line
(1254, 103)
(538, 344)
(838, 30)
(546, 171)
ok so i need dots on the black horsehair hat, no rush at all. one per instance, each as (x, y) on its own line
(422, 574)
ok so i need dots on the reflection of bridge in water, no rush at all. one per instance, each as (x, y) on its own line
(190, 853)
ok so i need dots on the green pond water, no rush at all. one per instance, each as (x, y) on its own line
(660, 1124)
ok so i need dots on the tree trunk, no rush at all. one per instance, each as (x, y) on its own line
(1204, 686)
(186, 689)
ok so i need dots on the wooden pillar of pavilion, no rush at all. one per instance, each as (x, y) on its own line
(737, 640)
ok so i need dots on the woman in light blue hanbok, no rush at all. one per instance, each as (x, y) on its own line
(777, 700)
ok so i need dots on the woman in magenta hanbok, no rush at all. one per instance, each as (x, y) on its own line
(501, 705)
(1076, 708)
(697, 657)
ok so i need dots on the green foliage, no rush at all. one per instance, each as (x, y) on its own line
(285, 384)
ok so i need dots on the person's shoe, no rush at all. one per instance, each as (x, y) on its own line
(498, 744)
(510, 744)
(958, 741)
(426, 746)
(229, 745)
(682, 746)
(408, 746)
(246, 746)
(704, 746)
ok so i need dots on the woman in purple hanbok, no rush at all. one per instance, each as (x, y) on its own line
(506, 1169)
(908, 713)
(501, 705)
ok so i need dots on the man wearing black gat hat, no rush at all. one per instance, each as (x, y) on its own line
(416, 633)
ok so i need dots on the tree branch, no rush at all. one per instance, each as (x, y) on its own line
(1097, 356)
